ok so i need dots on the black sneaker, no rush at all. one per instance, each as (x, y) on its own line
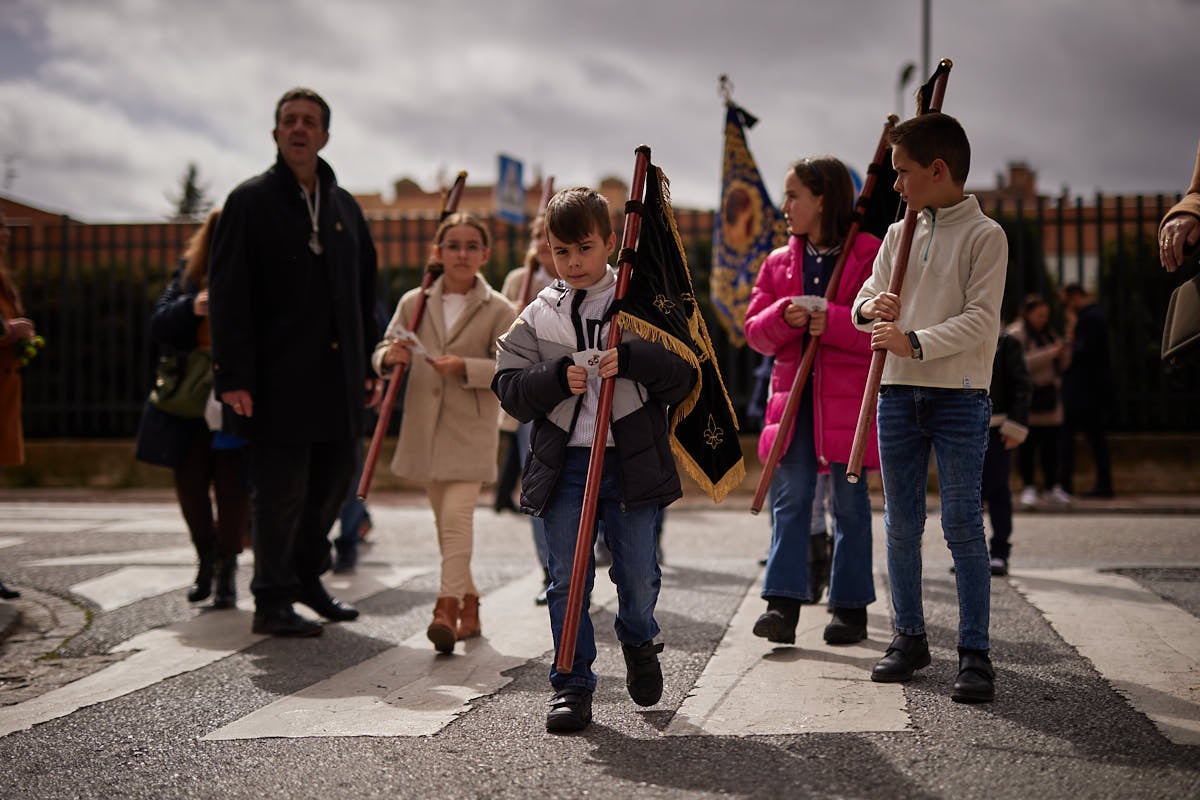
(570, 710)
(643, 673)
(283, 621)
(976, 682)
(778, 623)
(904, 655)
(848, 626)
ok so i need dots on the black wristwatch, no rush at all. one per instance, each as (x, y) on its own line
(916, 345)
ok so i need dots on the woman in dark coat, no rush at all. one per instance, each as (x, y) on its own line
(198, 457)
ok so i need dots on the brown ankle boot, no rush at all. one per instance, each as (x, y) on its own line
(468, 618)
(442, 631)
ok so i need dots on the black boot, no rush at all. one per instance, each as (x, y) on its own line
(226, 591)
(202, 587)
(778, 624)
(7, 593)
(541, 599)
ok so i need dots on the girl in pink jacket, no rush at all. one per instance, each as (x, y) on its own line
(818, 205)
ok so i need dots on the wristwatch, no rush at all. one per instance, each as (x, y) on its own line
(916, 345)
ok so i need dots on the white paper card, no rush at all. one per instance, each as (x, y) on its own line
(810, 302)
(589, 360)
(415, 346)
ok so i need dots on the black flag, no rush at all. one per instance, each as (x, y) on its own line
(660, 306)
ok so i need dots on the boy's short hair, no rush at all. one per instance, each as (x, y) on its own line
(300, 93)
(572, 214)
(935, 135)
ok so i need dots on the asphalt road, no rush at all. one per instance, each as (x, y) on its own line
(113, 685)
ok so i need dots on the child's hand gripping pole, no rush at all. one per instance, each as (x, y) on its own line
(591, 491)
(432, 271)
(810, 351)
(866, 411)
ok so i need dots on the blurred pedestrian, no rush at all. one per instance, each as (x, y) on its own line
(200, 460)
(1046, 356)
(293, 298)
(1087, 389)
(1011, 389)
(17, 333)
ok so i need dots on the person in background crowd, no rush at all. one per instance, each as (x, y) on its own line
(199, 459)
(292, 289)
(1046, 356)
(1010, 390)
(1087, 389)
(15, 331)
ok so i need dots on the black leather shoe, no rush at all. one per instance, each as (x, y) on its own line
(904, 655)
(225, 592)
(643, 673)
(283, 621)
(976, 681)
(570, 710)
(201, 588)
(7, 593)
(320, 601)
(848, 626)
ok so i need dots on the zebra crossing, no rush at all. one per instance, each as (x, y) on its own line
(1148, 650)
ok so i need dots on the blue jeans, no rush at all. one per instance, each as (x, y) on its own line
(792, 491)
(954, 422)
(634, 570)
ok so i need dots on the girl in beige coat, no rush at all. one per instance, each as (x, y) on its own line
(450, 430)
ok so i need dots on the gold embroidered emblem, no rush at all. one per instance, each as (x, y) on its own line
(714, 434)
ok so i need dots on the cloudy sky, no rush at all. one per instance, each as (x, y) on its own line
(104, 102)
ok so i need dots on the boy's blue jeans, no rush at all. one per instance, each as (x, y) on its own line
(792, 490)
(954, 423)
(634, 570)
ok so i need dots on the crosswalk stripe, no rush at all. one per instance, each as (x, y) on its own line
(131, 584)
(748, 689)
(410, 690)
(13, 541)
(162, 555)
(1145, 647)
(176, 649)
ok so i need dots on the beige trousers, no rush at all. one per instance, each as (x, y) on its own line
(454, 513)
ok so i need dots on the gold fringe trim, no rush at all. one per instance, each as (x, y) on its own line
(699, 333)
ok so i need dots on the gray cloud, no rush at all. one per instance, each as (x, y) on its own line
(104, 104)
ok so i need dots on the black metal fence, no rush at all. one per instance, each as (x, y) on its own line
(89, 289)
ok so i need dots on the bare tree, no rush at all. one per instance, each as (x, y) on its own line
(192, 201)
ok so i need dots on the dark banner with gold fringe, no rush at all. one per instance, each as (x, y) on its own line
(660, 306)
(747, 227)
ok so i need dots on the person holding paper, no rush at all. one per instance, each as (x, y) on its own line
(451, 428)
(787, 306)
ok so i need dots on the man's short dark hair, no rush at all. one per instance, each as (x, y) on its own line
(936, 135)
(572, 214)
(300, 93)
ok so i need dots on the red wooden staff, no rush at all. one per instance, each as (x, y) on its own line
(432, 271)
(810, 350)
(591, 491)
(871, 391)
(525, 296)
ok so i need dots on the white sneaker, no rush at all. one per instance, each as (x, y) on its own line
(1060, 497)
(1029, 497)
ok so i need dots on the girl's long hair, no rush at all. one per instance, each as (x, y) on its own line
(198, 247)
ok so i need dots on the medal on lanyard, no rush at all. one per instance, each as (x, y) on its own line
(314, 213)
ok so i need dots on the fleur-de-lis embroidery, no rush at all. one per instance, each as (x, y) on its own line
(664, 304)
(714, 434)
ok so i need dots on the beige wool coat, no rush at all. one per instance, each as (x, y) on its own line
(450, 427)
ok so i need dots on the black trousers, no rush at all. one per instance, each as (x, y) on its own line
(226, 472)
(1091, 423)
(298, 491)
(997, 494)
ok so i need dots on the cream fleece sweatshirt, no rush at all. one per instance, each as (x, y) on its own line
(951, 296)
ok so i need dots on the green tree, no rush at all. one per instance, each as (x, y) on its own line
(191, 202)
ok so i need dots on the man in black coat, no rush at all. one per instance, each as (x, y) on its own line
(292, 288)
(1087, 389)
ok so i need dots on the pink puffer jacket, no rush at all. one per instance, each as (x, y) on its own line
(843, 355)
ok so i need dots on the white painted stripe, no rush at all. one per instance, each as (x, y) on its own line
(411, 690)
(1148, 649)
(131, 584)
(750, 689)
(163, 555)
(176, 649)
(10, 541)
